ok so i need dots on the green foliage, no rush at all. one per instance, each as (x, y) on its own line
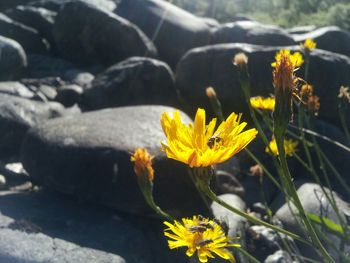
(285, 13)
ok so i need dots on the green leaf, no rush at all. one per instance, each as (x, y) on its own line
(325, 221)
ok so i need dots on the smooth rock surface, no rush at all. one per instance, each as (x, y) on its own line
(28, 37)
(172, 29)
(15, 88)
(46, 227)
(251, 32)
(330, 38)
(135, 81)
(88, 156)
(17, 115)
(12, 60)
(86, 34)
(279, 256)
(55, 5)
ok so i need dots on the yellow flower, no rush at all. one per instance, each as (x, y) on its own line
(198, 145)
(308, 44)
(143, 163)
(202, 235)
(289, 147)
(263, 103)
(295, 58)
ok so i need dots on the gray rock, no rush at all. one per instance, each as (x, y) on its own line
(315, 202)
(88, 156)
(38, 18)
(135, 81)
(86, 34)
(253, 33)
(28, 37)
(78, 77)
(15, 88)
(212, 66)
(55, 5)
(12, 60)
(301, 29)
(279, 256)
(10, 4)
(235, 222)
(46, 227)
(330, 38)
(160, 20)
(17, 115)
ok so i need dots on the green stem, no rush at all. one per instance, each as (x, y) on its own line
(279, 136)
(157, 209)
(343, 121)
(247, 255)
(209, 193)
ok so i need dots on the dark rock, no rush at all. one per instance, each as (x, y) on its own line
(228, 183)
(15, 88)
(86, 35)
(279, 256)
(315, 202)
(69, 95)
(46, 227)
(55, 5)
(78, 77)
(12, 3)
(17, 115)
(265, 241)
(301, 29)
(212, 66)
(160, 20)
(211, 22)
(28, 37)
(133, 81)
(88, 155)
(330, 38)
(38, 18)
(251, 32)
(12, 60)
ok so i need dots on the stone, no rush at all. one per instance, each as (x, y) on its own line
(55, 5)
(236, 223)
(69, 95)
(48, 227)
(13, 3)
(329, 38)
(17, 115)
(13, 59)
(86, 34)
(251, 32)
(301, 29)
(88, 156)
(40, 19)
(315, 202)
(78, 77)
(279, 256)
(212, 66)
(15, 88)
(160, 20)
(134, 81)
(28, 37)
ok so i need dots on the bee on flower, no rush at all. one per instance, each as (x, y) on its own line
(201, 235)
(200, 145)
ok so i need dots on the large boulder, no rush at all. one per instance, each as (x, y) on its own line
(40, 19)
(17, 115)
(253, 33)
(88, 156)
(212, 66)
(133, 81)
(28, 37)
(173, 30)
(47, 227)
(329, 38)
(86, 34)
(12, 60)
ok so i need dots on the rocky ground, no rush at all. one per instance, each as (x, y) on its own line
(83, 83)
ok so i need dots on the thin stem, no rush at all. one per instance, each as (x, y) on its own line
(247, 255)
(343, 121)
